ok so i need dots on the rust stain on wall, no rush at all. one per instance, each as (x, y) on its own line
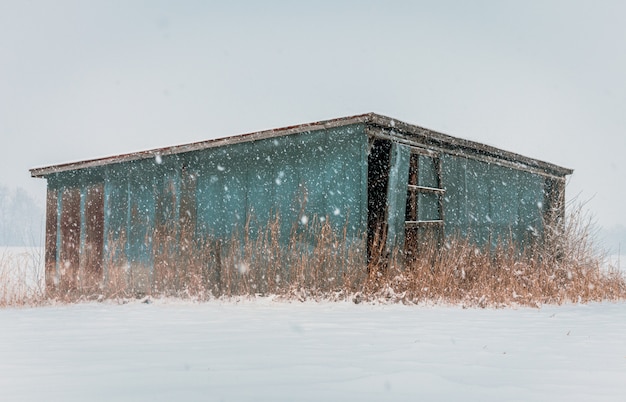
(51, 237)
(165, 236)
(70, 237)
(92, 260)
(188, 210)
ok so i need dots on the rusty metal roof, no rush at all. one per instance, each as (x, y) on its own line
(379, 123)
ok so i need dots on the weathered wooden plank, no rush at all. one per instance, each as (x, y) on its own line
(115, 220)
(69, 258)
(441, 188)
(189, 197)
(165, 247)
(413, 184)
(51, 238)
(92, 259)
(396, 195)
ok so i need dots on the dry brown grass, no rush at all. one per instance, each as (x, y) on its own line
(565, 267)
(21, 281)
(319, 263)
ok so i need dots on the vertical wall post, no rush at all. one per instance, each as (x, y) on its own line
(51, 239)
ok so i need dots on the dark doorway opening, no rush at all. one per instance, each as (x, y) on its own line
(377, 181)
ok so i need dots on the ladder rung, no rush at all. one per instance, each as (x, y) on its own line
(423, 223)
(427, 189)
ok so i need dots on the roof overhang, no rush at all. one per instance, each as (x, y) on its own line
(377, 124)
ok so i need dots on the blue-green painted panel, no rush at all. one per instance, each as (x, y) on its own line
(530, 207)
(141, 210)
(427, 172)
(167, 189)
(115, 217)
(396, 195)
(301, 178)
(455, 199)
(489, 203)
(210, 202)
(427, 207)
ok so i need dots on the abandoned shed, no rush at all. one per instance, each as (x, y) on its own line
(370, 176)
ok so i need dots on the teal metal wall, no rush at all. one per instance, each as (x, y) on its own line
(213, 192)
(111, 212)
(490, 203)
(484, 202)
(319, 174)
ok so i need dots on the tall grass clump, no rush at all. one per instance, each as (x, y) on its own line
(563, 266)
(318, 261)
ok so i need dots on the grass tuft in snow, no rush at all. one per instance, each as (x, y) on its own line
(21, 276)
(565, 266)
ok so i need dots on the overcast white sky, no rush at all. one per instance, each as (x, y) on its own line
(85, 79)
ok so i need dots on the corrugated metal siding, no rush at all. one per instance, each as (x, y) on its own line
(142, 208)
(92, 229)
(51, 236)
(131, 214)
(69, 230)
(484, 203)
(320, 174)
(490, 203)
(139, 212)
(396, 195)
(115, 217)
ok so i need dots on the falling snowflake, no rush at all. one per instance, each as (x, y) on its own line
(242, 267)
(279, 179)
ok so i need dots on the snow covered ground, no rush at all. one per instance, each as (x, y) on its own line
(265, 350)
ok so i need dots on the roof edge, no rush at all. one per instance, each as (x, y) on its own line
(194, 146)
(447, 142)
(394, 126)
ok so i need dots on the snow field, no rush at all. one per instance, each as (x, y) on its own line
(266, 350)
